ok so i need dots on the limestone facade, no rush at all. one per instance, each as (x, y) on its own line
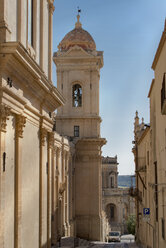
(117, 204)
(78, 72)
(150, 159)
(50, 166)
(34, 160)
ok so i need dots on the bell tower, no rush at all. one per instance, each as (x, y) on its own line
(78, 74)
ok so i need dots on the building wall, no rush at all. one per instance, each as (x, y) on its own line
(9, 187)
(30, 186)
(79, 65)
(114, 197)
(159, 145)
(29, 148)
(155, 232)
(85, 73)
(14, 28)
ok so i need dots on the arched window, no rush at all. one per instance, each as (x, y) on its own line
(112, 212)
(77, 95)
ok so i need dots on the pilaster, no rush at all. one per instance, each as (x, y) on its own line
(43, 136)
(67, 194)
(20, 124)
(49, 157)
(54, 195)
(4, 113)
(57, 205)
(64, 193)
(5, 32)
(51, 10)
(41, 33)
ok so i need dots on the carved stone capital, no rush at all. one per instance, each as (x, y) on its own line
(51, 140)
(62, 188)
(4, 113)
(43, 135)
(67, 156)
(58, 152)
(20, 124)
(51, 6)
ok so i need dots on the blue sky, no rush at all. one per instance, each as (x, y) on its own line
(128, 31)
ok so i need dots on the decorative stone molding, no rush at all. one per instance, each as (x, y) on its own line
(4, 113)
(43, 135)
(4, 25)
(62, 188)
(58, 151)
(20, 124)
(51, 140)
(51, 6)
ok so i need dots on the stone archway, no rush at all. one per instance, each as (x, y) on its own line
(111, 213)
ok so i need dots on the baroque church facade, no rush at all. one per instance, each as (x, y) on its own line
(50, 180)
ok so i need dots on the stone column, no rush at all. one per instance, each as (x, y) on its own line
(49, 156)
(43, 135)
(57, 207)
(5, 32)
(54, 195)
(51, 10)
(19, 17)
(67, 195)
(20, 124)
(41, 33)
(4, 113)
(63, 192)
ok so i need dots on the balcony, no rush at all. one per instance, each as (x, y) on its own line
(134, 192)
(163, 97)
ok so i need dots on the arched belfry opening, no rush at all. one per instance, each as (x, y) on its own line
(77, 95)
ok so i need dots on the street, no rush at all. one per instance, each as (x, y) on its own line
(114, 245)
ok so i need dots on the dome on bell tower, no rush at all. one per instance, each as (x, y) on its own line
(78, 36)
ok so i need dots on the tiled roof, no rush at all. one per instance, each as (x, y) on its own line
(78, 36)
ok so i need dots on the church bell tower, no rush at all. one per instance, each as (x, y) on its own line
(78, 74)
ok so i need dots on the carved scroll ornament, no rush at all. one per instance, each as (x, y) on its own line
(4, 114)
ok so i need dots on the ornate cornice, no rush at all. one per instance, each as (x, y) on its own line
(43, 135)
(4, 113)
(20, 124)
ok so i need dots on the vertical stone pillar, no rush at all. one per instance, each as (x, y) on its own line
(4, 28)
(67, 195)
(20, 124)
(51, 10)
(64, 193)
(4, 113)
(57, 207)
(41, 33)
(49, 156)
(43, 135)
(19, 23)
(54, 194)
